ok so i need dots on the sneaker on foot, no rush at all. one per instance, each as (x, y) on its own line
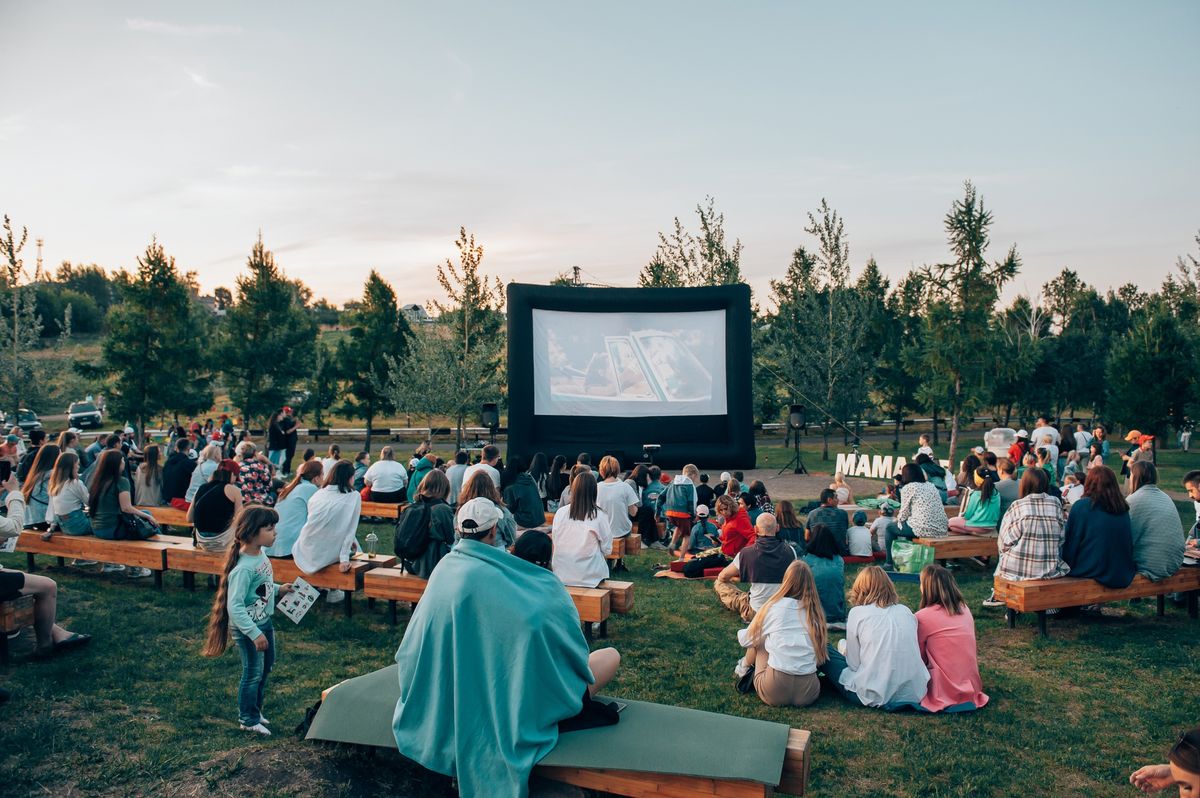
(335, 596)
(112, 568)
(137, 573)
(257, 728)
(742, 669)
(992, 601)
(658, 545)
(263, 719)
(84, 563)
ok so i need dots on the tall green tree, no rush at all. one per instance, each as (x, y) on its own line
(378, 330)
(266, 346)
(686, 259)
(962, 351)
(1151, 374)
(152, 356)
(20, 324)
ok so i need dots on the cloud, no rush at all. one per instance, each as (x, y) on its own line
(200, 80)
(170, 28)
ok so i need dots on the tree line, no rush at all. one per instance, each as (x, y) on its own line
(853, 348)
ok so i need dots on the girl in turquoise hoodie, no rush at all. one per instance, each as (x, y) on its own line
(247, 598)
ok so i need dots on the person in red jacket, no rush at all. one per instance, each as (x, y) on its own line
(736, 534)
(1017, 452)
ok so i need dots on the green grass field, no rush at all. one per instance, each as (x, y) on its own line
(140, 712)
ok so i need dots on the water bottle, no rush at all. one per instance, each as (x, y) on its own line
(372, 544)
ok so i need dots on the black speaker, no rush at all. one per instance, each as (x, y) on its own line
(797, 417)
(489, 416)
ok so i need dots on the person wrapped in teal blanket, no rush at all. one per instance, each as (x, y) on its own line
(492, 660)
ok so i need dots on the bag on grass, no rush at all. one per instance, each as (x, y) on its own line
(910, 558)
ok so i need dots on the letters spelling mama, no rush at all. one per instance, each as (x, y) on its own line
(876, 466)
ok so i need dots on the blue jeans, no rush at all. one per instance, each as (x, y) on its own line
(893, 531)
(75, 522)
(277, 456)
(256, 666)
(832, 669)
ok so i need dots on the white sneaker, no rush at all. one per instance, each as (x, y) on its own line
(992, 601)
(137, 573)
(263, 719)
(658, 544)
(257, 728)
(84, 563)
(742, 669)
(112, 568)
(335, 596)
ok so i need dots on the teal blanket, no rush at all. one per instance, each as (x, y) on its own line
(492, 659)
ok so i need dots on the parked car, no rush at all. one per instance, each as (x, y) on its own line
(26, 420)
(84, 415)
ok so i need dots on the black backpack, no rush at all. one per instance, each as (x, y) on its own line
(412, 531)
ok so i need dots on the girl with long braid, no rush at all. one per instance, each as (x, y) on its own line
(247, 597)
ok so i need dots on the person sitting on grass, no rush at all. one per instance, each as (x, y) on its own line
(328, 536)
(36, 489)
(433, 517)
(246, 596)
(1072, 489)
(1098, 540)
(858, 537)
(736, 534)
(786, 641)
(879, 526)
(833, 517)
(492, 661)
(829, 572)
(215, 507)
(386, 478)
(1158, 537)
(920, 514)
(791, 529)
(761, 566)
(109, 497)
(1031, 535)
(521, 495)
(331, 458)
(292, 507)
(582, 536)
(68, 498)
(1181, 770)
(479, 485)
(844, 494)
(882, 665)
(704, 533)
(980, 511)
(52, 639)
(1095, 455)
(946, 636)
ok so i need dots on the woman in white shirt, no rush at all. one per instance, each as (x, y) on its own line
(386, 478)
(210, 458)
(616, 498)
(331, 458)
(327, 537)
(68, 497)
(881, 665)
(582, 535)
(786, 642)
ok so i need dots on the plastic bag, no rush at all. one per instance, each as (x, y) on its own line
(910, 558)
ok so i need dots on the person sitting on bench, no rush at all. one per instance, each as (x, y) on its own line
(920, 514)
(761, 566)
(492, 661)
(1031, 535)
(1098, 539)
(582, 536)
(428, 518)
(736, 534)
(480, 486)
(292, 507)
(829, 572)
(1157, 529)
(521, 495)
(786, 641)
(980, 513)
(946, 636)
(215, 506)
(833, 517)
(328, 536)
(386, 478)
(882, 665)
(1182, 769)
(68, 497)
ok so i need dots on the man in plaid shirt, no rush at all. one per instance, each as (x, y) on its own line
(1031, 535)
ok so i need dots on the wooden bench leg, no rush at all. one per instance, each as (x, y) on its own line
(370, 603)
(587, 629)
(189, 580)
(604, 628)
(1042, 623)
(1193, 603)
(349, 604)
(62, 562)
(1010, 615)
(158, 579)
(392, 609)
(1162, 604)
(30, 565)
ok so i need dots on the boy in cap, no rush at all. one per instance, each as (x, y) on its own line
(704, 533)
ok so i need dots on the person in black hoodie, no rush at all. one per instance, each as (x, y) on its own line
(429, 509)
(36, 438)
(521, 495)
(177, 473)
(761, 566)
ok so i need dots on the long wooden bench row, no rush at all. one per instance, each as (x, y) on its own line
(1039, 595)
(593, 604)
(173, 516)
(959, 546)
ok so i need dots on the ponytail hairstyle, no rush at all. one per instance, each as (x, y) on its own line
(66, 468)
(43, 463)
(983, 481)
(335, 451)
(310, 471)
(798, 583)
(252, 519)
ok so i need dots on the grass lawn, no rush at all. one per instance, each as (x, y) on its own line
(140, 712)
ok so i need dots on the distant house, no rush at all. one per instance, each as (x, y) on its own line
(416, 314)
(212, 305)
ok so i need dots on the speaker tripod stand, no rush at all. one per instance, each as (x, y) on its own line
(796, 463)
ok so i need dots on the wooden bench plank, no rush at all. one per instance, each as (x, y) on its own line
(382, 510)
(167, 516)
(956, 546)
(622, 595)
(140, 553)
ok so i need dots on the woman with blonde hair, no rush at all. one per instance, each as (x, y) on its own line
(68, 497)
(786, 642)
(36, 489)
(147, 480)
(206, 466)
(881, 664)
(946, 637)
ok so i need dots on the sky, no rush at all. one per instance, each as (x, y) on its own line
(363, 135)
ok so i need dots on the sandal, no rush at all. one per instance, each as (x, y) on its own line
(76, 640)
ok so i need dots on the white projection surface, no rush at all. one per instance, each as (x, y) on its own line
(629, 364)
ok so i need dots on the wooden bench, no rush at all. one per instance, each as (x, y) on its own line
(638, 784)
(959, 546)
(137, 553)
(394, 585)
(168, 516)
(621, 593)
(15, 615)
(1039, 595)
(381, 510)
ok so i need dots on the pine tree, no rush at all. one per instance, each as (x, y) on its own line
(266, 347)
(153, 354)
(378, 330)
(20, 324)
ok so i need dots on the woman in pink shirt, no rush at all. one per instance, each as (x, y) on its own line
(946, 636)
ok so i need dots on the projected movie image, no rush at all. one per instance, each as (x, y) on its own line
(629, 364)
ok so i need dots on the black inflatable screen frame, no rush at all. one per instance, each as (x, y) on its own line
(725, 441)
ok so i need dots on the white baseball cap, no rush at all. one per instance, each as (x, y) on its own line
(1022, 433)
(478, 515)
(702, 510)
